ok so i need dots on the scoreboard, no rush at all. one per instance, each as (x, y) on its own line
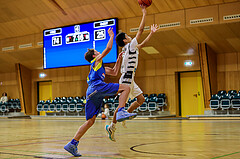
(66, 46)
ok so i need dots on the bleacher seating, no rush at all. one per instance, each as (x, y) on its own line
(3, 108)
(152, 103)
(12, 105)
(236, 101)
(225, 101)
(40, 105)
(161, 100)
(232, 92)
(63, 106)
(222, 92)
(214, 102)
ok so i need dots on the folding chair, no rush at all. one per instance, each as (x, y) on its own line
(40, 106)
(214, 102)
(225, 102)
(236, 101)
(152, 105)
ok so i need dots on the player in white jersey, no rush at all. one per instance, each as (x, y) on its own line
(130, 62)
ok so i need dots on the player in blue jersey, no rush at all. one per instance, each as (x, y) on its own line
(97, 90)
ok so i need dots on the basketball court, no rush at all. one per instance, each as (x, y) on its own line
(45, 138)
(188, 70)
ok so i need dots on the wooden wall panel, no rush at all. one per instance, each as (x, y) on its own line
(221, 81)
(171, 93)
(171, 66)
(24, 79)
(38, 38)
(229, 9)
(150, 67)
(238, 61)
(122, 25)
(140, 69)
(135, 22)
(171, 17)
(228, 73)
(9, 42)
(161, 65)
(212, 67)
(60, 75)
(231, 62)
(8, 84)
(150, 84)
(160, 84)
(220, 62)
(25, 40)
(233, 80)
(205, 72)
(181, 60)
(200, 13)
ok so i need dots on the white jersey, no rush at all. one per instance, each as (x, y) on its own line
(129, 66)
(129, 62)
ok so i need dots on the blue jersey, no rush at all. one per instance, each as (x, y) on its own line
(97, 89)
(96, 74)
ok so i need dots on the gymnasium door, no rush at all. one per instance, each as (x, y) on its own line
(191, 94)
(44, 92)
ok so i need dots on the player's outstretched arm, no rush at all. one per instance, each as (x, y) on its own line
(108, 47)
(154, 28)
(142, 24)
(114, 71)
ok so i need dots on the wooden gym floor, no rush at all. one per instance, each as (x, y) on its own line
(166, 139)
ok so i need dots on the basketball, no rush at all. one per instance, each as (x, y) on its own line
(146, 3)
(103, 116)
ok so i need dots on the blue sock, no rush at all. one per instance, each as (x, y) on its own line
(74, 142)
(120, 109)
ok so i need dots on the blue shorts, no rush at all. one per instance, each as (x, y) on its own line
(95, 95)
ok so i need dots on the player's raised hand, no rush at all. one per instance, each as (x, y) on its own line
(110, 32)
(154, 28)
(143, 9)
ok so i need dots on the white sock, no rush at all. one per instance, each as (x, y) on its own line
(112, 125)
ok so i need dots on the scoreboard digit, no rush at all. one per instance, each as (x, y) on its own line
(99, 34)
(56, 40)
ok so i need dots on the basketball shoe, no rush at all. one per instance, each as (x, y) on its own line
(124, 115)
(110, 131)
(71, 148)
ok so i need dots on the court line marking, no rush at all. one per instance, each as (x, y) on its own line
(24, 155)
(175, 154)
(226, 155)
(133, 149)
(48, 153)
(42, 153)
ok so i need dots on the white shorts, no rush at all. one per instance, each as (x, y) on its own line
(134, 89)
